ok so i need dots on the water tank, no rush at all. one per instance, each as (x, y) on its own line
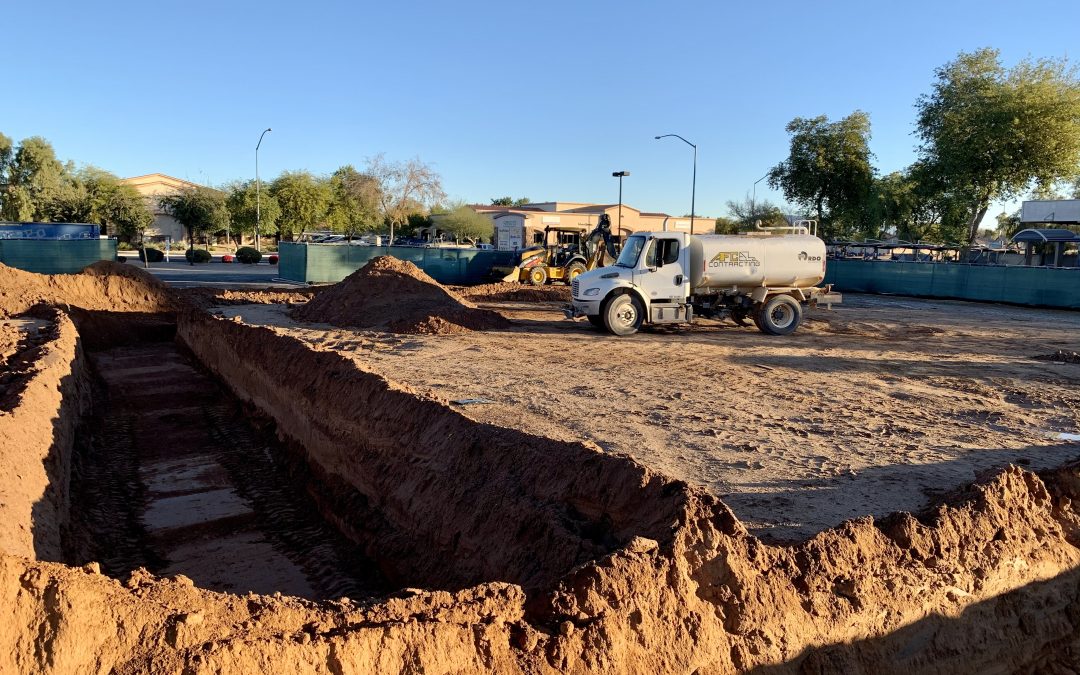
(719, 261)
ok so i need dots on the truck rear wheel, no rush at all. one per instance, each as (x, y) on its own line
(779, 315)
(623, 315)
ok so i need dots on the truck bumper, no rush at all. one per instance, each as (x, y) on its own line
(580, 309)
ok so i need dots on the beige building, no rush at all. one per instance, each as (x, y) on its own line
(523, 226)
(152, 187)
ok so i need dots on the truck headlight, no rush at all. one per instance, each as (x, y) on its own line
(592, 292)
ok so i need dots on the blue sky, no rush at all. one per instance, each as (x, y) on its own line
(541, 99)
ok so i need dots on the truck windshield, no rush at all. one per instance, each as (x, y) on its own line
(630, 252)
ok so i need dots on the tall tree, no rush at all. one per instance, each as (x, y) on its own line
(828, 172)
(510, 201)
(403, 186)
(354, 202)
(199, 209)
(304, 200)
(35, 177)
(247, 205)
(989, 133)
(118, 208)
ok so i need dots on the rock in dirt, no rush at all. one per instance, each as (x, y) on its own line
(398, 296)
(1060, 356)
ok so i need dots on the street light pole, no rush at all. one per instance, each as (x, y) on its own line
(693, 185)
(258, 210)
(753, 197)
(620, 175)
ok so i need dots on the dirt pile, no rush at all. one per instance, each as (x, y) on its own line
(397, 296)
(104, 286)
(511, 292)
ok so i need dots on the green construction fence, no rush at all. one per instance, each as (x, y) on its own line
(329, 263)
(1038, 286)
(55, 256)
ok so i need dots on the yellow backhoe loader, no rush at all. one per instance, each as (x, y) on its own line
(563, 256)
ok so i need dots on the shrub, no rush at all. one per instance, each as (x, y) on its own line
(152, 254)
(273, 259)
(228, 258)
(248, 255)
(124, 246)
(197, 255)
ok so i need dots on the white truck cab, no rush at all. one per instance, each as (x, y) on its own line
(668, 277)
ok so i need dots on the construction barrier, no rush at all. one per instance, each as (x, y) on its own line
(330, 263)
(1039, 286)
(55, 256)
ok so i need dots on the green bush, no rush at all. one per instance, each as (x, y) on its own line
(124, 246)
(152, 254)
(248, 255)
(198, 255)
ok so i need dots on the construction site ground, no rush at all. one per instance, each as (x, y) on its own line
(880, 405)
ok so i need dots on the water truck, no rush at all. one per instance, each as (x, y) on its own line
(767, 276)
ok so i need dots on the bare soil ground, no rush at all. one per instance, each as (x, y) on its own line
(881, 405)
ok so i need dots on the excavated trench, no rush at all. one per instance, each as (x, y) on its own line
(171, 473)
(226, 457)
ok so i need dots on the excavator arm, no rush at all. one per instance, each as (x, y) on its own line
(594, 251)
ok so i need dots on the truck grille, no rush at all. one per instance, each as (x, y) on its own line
(574, 288)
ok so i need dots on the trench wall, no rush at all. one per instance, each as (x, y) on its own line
(39, 413)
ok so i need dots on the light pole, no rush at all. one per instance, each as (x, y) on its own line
(258, 210)
(753, 197)
(693, 185)
(620, 175)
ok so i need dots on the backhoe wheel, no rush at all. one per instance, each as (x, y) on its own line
(596, 320)
(623, 315)
(574, 270)
(538, 275)
(780, 315)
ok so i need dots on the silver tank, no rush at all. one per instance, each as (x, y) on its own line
(720, 260)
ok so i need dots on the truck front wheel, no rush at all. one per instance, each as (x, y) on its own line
(779, 315)
(623, 315)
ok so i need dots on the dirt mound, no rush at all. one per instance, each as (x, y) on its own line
(104, 285)
(511, 292)
(1060, 356)
(398, 296)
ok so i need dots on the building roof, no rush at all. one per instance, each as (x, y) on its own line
(158, 183)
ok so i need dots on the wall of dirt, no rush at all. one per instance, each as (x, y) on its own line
(446, 502)
(39, 412)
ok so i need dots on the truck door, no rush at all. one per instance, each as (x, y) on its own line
(661, 275)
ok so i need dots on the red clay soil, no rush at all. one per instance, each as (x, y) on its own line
(514, 292)
(398, 296)
(205, 297)
(104, 285)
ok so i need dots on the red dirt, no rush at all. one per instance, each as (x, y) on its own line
(398, 296)
(105, 285)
